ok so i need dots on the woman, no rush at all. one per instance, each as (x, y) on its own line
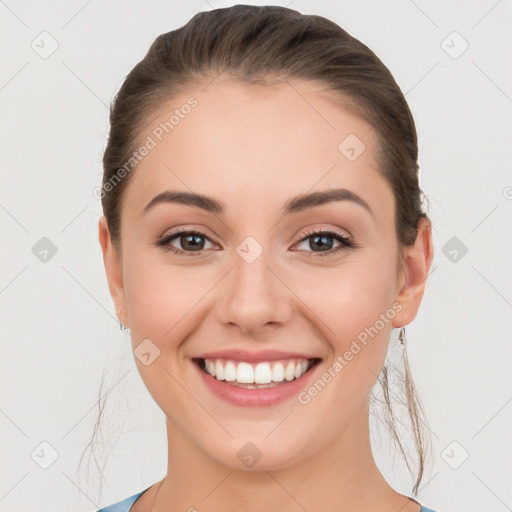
(262, 237)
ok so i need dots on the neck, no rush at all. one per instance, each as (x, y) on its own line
(341, 476)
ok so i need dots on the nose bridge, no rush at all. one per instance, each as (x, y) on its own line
(251, 272)
(253, 295)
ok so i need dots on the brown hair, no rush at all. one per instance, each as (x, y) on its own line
(266, 45)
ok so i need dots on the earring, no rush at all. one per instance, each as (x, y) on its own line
(121, 325)
(401, 336)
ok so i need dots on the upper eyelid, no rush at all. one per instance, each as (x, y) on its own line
(192, 230)
(306, 233)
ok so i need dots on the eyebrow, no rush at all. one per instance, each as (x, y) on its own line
(294, 205)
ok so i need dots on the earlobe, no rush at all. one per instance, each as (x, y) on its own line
(113, 270)
(417, 261)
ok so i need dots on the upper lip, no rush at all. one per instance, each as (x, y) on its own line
(254, 357)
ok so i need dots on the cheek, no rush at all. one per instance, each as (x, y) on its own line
(159, 295)
(361, 300)
(352, 298)
(357, 308)
(161, 301)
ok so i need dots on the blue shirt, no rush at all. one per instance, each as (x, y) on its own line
(126, 504)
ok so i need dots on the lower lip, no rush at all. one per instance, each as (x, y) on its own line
(245, 397)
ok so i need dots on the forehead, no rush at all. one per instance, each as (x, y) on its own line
(247, 143)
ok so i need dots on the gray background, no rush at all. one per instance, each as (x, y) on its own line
(59, 328)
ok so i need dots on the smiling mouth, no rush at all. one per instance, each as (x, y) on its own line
(256, 376)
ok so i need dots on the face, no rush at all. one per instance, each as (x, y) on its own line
(255, 289)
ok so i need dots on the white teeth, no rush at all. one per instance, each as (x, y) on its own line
(219, 370)
(261, 373)
(244, 373)
(278, 373)
(300, 369)
(230, 372)
(289, 372)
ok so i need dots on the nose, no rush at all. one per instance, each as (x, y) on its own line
(254, 297)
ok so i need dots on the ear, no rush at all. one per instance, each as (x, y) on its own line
(417, 260)
(113, 269)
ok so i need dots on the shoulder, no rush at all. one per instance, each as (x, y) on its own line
(124, 505)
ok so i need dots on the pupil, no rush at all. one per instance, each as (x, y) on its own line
(194, 245)
(322, 243)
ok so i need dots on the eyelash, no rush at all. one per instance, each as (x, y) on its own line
(346, 243)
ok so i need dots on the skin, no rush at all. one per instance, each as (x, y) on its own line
(252, 148)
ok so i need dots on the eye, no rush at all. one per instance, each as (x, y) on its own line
(189, 241)
(321, 239)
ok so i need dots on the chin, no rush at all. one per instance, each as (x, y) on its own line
(260, 454)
